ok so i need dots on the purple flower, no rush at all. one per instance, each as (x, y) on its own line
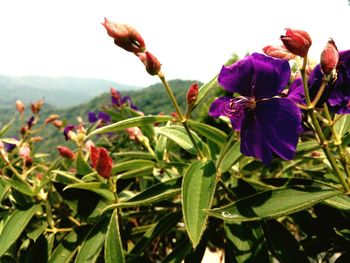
(102, 116)
(336, 94)
(268, 124)
(10, 146)
(67, 129)
(118, 100)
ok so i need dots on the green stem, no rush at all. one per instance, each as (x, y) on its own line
(318, 129)
(337, 141)
(183, 120)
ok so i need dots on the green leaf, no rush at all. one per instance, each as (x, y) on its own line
(198, 189)
(246, 242)
(230, 158)
(66, 249)
(151, 195)
(4, 187)
(6, 127)
(209, 132)
(203, 90)
(132, 165)
(161, 227)
(15, 225)
(283, 244)
(339, 201)
(272, 203)
(179, 135)
(128, 123)
(81, 165)
(342, 126)
(160, 149)
(113, 244)
(18, 184)
(93, 243)
(65, 177)
(179, 253)
(96, 187)
(133, 155)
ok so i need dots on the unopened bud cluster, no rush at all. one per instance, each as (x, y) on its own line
(128, 38)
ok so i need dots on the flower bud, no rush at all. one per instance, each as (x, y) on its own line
(28, 161)
(36, 106)
(329, 57)
(134, 133)
(65, 152)
(101, 161)
(24, 151)
(36, 139)
(57, 123)
(278, 52)
(52, 118)
(297, 41)
(125, 36)
(20, 106)
(151, 63)
(192, 94)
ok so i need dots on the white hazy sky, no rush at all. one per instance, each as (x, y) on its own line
(191, 38)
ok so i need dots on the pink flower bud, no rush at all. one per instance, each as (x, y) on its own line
(151, 63)
(101, 161)
(36, 106)
(297, 41)
(20, 106)
(24, 151)
(134, 133)
(125, 36)
(329, 57)
(192, 94)
(65, 152)
(278, 52)
(52, 118)
(57, 123)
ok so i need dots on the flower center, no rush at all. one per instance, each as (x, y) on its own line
(236, 106)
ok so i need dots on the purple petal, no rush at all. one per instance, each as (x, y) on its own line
(92, 117)
(296, 91)
(253, 142)
(67, 129)
(280, 120)
(104, 116)
(256, 76)
(127, 99)
(217, 109)
(270, 77)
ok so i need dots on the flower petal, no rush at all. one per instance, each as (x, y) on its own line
(253, 142)
(271, 75)
(296, 91)
(280, 121)
(217, 109)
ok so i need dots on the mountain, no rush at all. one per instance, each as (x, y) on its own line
(63, 92)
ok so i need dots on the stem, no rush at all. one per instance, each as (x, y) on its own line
(183, 120)
(318, 129)
(337, 141)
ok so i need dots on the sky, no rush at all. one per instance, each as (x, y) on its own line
(191, 38)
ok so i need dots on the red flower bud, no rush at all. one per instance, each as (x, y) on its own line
(192, 94)
(278, 52)
(101, 161)
(65, 152)
(297, 41)
(151, 63)
(36, 106)
(329, 57)
(28, 161)
(125, 36)
(20, 106)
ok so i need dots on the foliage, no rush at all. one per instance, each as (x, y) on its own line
(138, 187)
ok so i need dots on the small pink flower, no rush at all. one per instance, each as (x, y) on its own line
(24, 151)
(101, 161)
(20, 106)
(134, 133)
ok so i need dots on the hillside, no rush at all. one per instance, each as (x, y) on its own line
(63, 92)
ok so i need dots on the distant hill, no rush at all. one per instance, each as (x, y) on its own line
(62, 92)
